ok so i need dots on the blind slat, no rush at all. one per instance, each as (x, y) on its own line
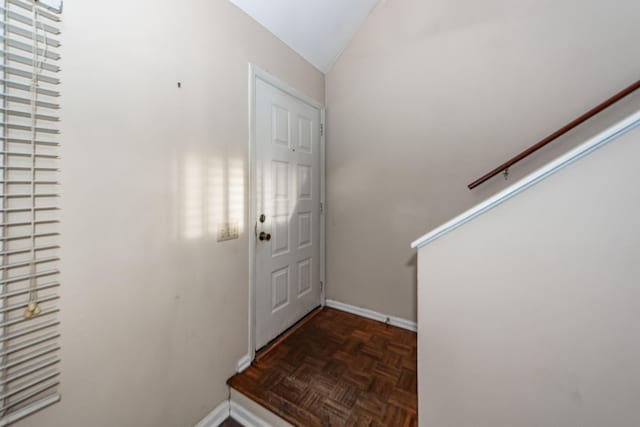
(29, 75)
(22, 319)
(21, 413)
(31, 356)
(24, 305)
(24, 291)
(27, 141)
(24, 237)
(25, 372)
(29, 128)
(49, 13)
(27, 276)
(26, 168)
(31, 383)
(26, 344)
(37, 208)
(28, 330)
(29, 183)
(21, 100)
(26, 263)
(26, 195)
(28, 6)
(28, 21)
(36, 155)
(17, 44)
(29, 61)
(28, 250)
(28, 115)
(26, 88)
(28, 396)
(29, 34)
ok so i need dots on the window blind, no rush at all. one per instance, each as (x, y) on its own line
(29, 282)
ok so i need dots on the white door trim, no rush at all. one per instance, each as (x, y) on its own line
(254, 74)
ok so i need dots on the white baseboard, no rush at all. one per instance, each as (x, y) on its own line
(216, 417)
(243, 363)
(234, 410)
(245, 417)
(370, 314)
(251, 414)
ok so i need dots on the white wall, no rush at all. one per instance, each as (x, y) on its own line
(528, 315)
(429, 96)
(154, 310)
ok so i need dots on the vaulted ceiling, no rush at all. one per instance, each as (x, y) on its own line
(318, 30)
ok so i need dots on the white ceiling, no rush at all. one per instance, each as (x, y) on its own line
(318, 30)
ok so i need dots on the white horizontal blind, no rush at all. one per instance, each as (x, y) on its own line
(29, 350)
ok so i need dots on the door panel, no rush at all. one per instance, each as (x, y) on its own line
(288, 195)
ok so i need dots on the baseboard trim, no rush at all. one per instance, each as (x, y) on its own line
(243, 363)
(370, 314)
(232, 409)
(216, 417)
(245, 417)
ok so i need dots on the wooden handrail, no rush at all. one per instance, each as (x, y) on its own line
(583, 118)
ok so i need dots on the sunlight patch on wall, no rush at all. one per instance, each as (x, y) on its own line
(213, 194)
(236, 193)
(192, 190)
(217, 195)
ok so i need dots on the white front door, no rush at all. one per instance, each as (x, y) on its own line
(287, 217)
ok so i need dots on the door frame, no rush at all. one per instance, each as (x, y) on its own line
(255, 73)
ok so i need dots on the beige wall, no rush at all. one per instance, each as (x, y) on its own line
(154, 310)
(528, 315)
(432, 94)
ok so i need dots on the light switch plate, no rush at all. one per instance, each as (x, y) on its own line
(227, 231)
(233, 230)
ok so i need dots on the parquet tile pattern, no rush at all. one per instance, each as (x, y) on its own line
(337, 370)
(230, 422)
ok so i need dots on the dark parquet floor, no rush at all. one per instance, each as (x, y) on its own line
(337, 370)
(230, 422)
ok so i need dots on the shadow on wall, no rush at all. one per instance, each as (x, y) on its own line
(209, 192)
(412, 263)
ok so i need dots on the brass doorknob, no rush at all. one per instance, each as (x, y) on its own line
(264, 236)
